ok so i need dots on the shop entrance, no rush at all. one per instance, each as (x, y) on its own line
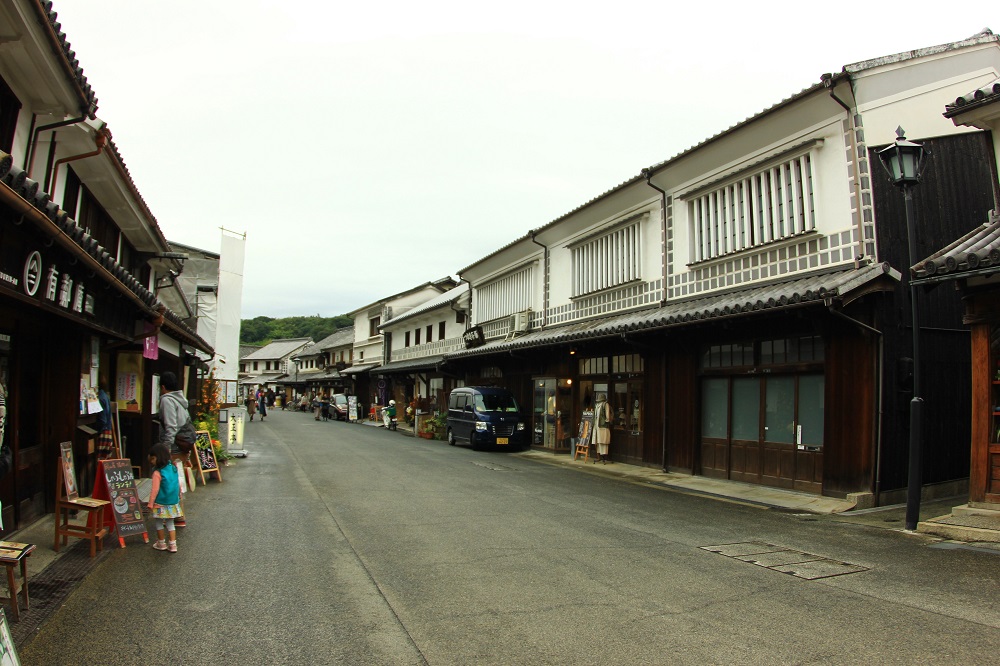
(626, 430)
(766, 430)
(24, 489)
(552, 413)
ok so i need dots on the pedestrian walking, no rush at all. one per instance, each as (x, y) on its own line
(251, 403)
(262, 404)
(164, 498)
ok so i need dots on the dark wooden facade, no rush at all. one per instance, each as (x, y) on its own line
(46, 346)
(983, 317)
(954, 197)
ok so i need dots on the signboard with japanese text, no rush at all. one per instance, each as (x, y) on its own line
(125, 503)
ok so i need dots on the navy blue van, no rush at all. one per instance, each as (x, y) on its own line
(485, 416)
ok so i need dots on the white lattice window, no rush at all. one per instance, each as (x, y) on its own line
(766, 206)
(503, 296)
(607, 261)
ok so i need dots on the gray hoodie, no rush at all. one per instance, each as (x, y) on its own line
(173, 414)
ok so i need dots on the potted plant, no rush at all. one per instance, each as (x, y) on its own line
(434, 427)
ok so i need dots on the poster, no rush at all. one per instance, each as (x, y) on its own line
(68, 470)
(155, 390)
(352, 407)
(231, 391)
(586, 427)
(128, 383)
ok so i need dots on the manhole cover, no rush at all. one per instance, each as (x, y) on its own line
(785, 560)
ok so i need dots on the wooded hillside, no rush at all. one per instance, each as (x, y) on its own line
(261, 330)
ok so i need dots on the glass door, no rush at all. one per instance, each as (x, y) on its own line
(626, 408)
(553, 413)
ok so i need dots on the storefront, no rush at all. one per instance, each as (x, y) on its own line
(73, 322)
(762, 412)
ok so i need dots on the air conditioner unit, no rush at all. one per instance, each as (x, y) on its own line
(520, 321)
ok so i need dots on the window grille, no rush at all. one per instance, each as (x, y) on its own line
(506, 295)
(607, 261)
(769, 205)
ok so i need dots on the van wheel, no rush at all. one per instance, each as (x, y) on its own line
(451, 438)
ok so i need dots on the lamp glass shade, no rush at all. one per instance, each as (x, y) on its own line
(903, 161)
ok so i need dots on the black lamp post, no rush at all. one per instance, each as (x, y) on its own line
(904, 161)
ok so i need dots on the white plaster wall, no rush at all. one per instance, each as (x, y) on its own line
(831, 187)
(561, 257)
(913, 93)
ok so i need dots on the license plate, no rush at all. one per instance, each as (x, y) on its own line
(501, 440)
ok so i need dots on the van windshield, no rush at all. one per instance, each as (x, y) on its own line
(495, 402)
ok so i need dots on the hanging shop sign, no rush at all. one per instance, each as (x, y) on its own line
(474, 337)
(62, 284)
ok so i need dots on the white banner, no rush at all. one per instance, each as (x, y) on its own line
(229, 306)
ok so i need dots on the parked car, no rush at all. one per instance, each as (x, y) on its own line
(338, 406)
(485, 416)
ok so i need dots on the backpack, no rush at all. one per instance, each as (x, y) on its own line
(184, 440)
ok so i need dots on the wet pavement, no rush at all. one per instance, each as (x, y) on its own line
(53, 576)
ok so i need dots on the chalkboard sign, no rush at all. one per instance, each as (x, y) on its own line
(206, 454)
(585, 435)
(125, 503)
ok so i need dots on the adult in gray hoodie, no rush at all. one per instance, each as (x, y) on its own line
(173, 409)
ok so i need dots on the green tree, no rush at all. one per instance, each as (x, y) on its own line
(261, 330)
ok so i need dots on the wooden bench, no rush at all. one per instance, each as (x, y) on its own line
(13, 554)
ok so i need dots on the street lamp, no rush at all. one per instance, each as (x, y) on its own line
(904, 162)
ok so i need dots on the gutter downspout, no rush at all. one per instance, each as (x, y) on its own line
(103, 135)
(29, 155)
(829, 82)
(876, 486)
(545, 279)
(648, 174)
(468, 315)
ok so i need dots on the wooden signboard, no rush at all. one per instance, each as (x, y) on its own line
(116, 483)
(585, 435)
(205, 454)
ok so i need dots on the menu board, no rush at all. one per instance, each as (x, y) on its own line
(125, 503)
(206, 453)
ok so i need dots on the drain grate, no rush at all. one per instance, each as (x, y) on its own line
(785, 560)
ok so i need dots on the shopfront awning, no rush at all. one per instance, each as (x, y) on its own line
(359, 369)
(820, 289)
(412, 364)
(263, 379)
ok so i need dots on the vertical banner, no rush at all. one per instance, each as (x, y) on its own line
(229, 305)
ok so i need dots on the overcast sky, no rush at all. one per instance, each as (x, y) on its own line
(369, 147)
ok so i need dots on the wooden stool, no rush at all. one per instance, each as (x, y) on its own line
(93, 530)
(12, 554)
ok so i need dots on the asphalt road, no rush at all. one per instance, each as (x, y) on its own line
(334, 543)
